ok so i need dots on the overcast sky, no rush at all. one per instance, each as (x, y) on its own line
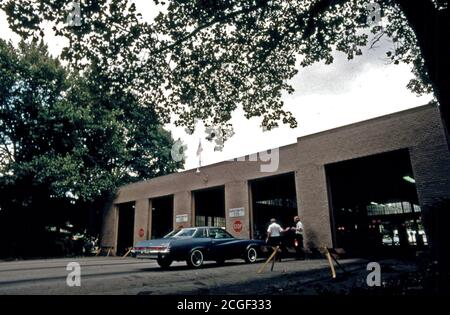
(327, 96)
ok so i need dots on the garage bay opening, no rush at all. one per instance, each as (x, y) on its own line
(162, 216)
(125, 232)
(374, 204)
(210, 207)
(273, 197)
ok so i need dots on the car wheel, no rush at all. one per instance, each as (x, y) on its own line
(195, 258)
(164, 263)
(250, 255)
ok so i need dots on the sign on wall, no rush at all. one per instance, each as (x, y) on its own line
(179, 218)
(237, 226)
(237, 212)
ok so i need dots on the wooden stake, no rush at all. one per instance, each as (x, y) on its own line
(269, 259)
(274, 259)
(127, 253)
(330, 261)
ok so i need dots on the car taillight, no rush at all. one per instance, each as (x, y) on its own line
(157, 247)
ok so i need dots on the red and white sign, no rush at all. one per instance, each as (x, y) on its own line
(237, 226)
(141, 232)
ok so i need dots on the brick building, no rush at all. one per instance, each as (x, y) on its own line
(368, 183)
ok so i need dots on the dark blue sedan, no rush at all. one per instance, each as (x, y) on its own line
(196, 245)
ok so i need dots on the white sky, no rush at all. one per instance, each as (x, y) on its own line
(326, 96)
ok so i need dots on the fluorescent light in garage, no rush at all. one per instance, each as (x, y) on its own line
(409, 179)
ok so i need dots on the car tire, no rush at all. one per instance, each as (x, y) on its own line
(251, 255)
(195, 259)
(164, 263)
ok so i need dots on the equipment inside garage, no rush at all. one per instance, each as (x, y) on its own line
(210, 207)
(374, 204)
(273, 197)
(126, 227)
(162, 216)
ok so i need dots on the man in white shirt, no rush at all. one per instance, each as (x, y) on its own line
(298, 226)
(298, 236)
(274, 233)
(274, 237)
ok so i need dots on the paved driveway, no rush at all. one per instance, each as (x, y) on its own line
(115, 275)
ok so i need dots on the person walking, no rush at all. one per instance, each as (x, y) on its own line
(298, 238)
(274, 237)
(274, 233)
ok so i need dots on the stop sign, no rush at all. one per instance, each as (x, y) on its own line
(141, 232)
(237, 226)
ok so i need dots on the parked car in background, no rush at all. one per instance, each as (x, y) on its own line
(197, 245)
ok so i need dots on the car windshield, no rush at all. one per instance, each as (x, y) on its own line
(185, 233)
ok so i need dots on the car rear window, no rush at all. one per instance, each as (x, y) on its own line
(219, 233)
(200, 233)
(185, 233)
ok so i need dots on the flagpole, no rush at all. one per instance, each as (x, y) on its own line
(199, 153)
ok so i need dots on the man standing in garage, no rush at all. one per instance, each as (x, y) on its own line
(298, 237)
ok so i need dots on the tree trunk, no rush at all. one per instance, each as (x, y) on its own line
(432, 29)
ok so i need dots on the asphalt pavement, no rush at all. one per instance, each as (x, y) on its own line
(117, 275)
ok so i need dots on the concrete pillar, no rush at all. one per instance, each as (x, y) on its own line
(297, 194)
(182, 205)
(431, 167)
(149, 219)
(109, 228)
(312, 202)
(237, 196)
(141, 214)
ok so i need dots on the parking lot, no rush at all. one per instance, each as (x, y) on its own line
(115, 275)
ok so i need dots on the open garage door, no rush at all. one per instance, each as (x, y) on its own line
(162, 216)
(273, 197)
(374, 204)
(210, 207)
(125, 232)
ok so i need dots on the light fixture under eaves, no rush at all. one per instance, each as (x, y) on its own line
(409, 179)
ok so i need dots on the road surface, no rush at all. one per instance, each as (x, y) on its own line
(116, 275)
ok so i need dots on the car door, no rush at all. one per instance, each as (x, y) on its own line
(222, 244)
(201, 239)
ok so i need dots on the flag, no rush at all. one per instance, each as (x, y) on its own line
(200, 149)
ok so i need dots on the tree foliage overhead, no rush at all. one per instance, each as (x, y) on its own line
(70, 131)
(69, 136)
(203, 58)
(67, 141)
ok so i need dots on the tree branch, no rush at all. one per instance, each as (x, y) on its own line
(204, 26)
(6, 150)
(316, 9)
